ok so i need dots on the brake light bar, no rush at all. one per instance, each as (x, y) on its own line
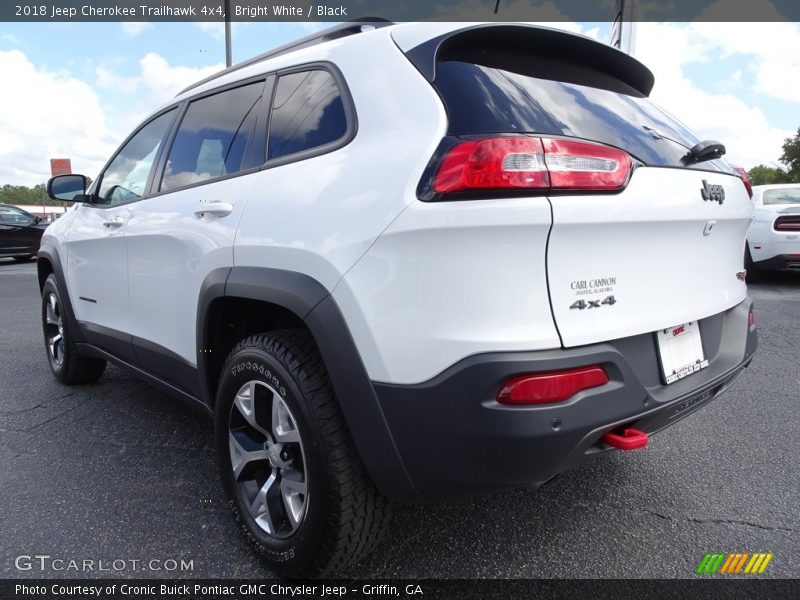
(529, 162)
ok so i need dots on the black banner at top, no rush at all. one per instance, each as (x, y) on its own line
(398, 10)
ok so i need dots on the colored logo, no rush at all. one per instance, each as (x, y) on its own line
(734, 563)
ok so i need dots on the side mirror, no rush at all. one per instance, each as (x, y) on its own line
(67, 188)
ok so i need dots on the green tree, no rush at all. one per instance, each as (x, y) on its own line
(21, 194)
(791, 156)
(762, 174)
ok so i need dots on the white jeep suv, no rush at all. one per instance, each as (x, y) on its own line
(406, 262)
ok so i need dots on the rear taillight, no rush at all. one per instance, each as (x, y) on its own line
(512, 162)
(546, 388)
(751, 319)
(584, 166)
(745, 179)
(787, 223)
(531, 163)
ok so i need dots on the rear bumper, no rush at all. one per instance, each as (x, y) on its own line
(455, 440)
(781, 261)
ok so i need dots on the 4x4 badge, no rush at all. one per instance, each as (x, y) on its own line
(715, 193)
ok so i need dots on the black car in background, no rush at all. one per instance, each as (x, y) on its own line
(20, 233)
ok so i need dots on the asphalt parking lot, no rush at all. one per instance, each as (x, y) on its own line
(118, 470)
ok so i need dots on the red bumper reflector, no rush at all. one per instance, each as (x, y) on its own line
(556, 386)
(630, 439)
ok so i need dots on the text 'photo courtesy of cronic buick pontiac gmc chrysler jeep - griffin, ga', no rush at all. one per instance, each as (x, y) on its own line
(406, 262)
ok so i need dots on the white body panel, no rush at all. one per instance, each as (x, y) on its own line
(96, 266)
(447, 280)
(763, 240)
(170, 253)
(420, 285)
(673, 256)
(319, 216)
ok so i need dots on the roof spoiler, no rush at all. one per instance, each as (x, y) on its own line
(331, 33)
(577, 55)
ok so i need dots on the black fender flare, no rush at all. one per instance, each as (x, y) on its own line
(50, 254)
(311, 301)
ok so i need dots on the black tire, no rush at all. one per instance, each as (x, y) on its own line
(66, 363)
(344, 513)
(22, 258)
(752, 271)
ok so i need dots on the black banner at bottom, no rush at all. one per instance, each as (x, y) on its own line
(427, 589)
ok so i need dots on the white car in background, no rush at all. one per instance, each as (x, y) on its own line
(773, 240)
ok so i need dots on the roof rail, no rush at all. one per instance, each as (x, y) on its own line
(331, 33)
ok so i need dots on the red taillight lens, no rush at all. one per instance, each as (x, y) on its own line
(545, 388)
(584, 166)
(751, 319)
(493, 163)
(526, 162)
(746, 179)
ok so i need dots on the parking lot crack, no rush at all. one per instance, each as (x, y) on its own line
(718, 522)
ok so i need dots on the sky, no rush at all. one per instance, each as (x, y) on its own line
(76, 90)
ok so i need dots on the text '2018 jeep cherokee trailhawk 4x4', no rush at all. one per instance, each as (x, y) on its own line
(413, 262)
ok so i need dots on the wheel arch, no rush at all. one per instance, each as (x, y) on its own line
(293, 299)
(48, 262)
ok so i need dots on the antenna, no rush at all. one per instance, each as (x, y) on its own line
(623, 30)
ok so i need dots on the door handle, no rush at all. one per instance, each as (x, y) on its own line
(114, 222)
(213, 208)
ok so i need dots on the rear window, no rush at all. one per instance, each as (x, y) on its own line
(782, 196)
(510, 98)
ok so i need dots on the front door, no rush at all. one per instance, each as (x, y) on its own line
(97, 257)
(186, 229)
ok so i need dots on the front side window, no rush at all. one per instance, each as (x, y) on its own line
(307, 112)
(126, 177)
(213, 137)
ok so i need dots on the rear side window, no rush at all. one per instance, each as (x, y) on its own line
(782, 196)
(213, 137)
(505, 93)
(307, 113)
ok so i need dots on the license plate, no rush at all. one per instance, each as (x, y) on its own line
(681, 351)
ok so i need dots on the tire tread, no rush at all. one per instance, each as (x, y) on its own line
(359, 511)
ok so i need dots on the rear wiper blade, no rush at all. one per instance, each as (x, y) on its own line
(703, 151)
(700, 152)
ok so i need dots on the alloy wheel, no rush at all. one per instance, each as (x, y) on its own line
(268, 459)
(54, 330)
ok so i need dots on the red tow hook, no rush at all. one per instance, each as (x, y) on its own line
(631, 439)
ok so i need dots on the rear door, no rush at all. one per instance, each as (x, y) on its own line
(661, 246)
(186, 229)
